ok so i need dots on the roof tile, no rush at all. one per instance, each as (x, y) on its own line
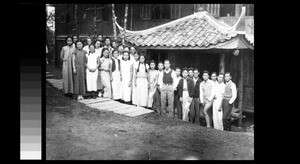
(195, 31)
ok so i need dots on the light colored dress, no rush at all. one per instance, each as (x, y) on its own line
(142, 86)
(67, 72)
(185, 102)
(126, 67)
(91, 77)
(152, 86)
(99, 82)
(116, 83)
(135, 65)
(105, 76)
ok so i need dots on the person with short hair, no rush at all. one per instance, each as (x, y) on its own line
(218, 91)
(185, 92)
(121, 50)
(157, 97)
(89, 41)
(107, 44)
(66, 55)
(141, 82)
(100, 37)
(105, 72)
(92, 64)
(213, 77)
(191, 73)
(195, 105)
(116, 76)
(152, 79)
(75, 38)
(79, 60)
(126, 73)
(135, 61)
(177, 104)
(166, 82)
(206, 96)
(230, 94)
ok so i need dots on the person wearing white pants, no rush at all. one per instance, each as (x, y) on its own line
(185, 93)
(218, 91)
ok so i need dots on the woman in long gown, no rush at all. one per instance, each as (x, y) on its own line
(98, 51)
(116, 75)
(79, 60)
(126, 72)
(92, 71)
(141, 82)
(105, 72)
(67, 72)
(152, 78)
(135, 63)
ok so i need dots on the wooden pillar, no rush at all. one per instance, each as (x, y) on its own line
(240, 90)
(222, 63)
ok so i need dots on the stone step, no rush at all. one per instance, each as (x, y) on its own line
(97, 100)
(119, 108)
(126, 110)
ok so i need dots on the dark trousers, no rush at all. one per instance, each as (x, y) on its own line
(227, 108)
(195, 111)
(177, 105)
(156, 102)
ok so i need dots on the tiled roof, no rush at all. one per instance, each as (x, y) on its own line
(250, 38)
(197, 30)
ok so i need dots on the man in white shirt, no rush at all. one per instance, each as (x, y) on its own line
(107, 45)
(206, 96)
(177, 105)
(166, 84)
(213, 77)
(230, 95)
(218, 91)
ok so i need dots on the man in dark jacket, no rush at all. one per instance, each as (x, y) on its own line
(185, 90)
(195, 105)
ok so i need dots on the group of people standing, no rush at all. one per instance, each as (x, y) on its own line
(102, 69)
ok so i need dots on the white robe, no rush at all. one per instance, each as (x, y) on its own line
(125, 70)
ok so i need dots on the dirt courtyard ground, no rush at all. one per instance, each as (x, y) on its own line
(77, 132)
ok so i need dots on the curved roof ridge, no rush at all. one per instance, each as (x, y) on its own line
(146, 31)
(211, 20)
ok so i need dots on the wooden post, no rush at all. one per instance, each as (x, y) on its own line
(125, 23)
(222, 63)
(240, 90)
(114, 20)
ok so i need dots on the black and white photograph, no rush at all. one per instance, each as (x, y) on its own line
(149, 81)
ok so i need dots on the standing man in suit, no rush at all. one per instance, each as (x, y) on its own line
(177, 104)
(195, 105)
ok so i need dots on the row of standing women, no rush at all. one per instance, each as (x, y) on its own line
(106, 72)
